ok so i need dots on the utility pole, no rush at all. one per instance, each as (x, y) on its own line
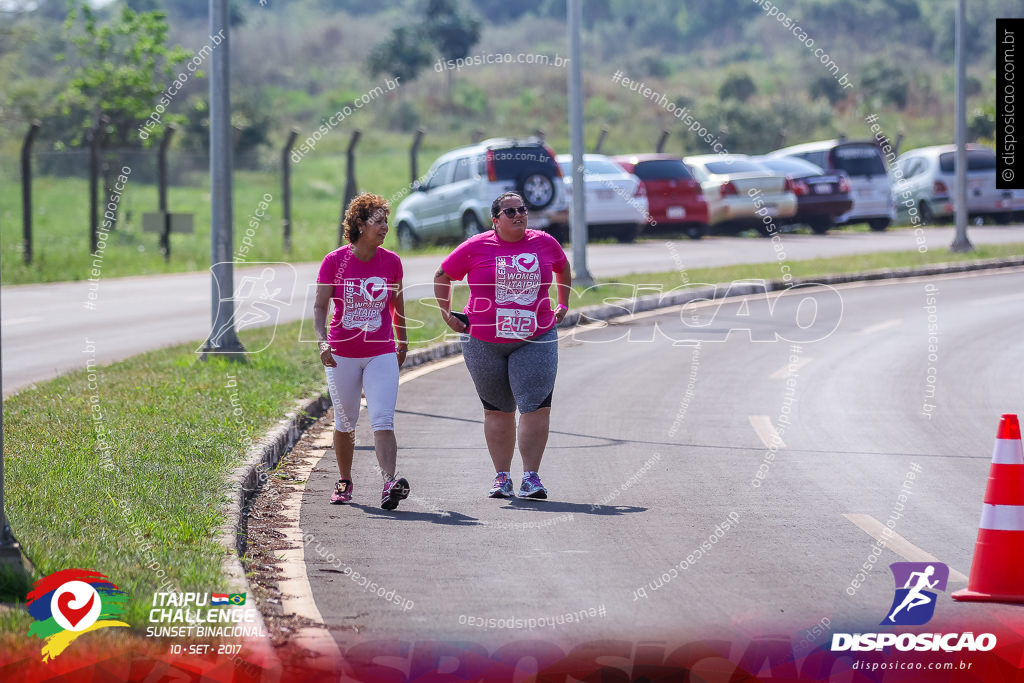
(223, 337)
(960, 242)
(581, 275)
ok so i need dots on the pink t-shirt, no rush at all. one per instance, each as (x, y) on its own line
(508, 283)
(363, 301)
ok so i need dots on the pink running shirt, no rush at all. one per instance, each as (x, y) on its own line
(363, 301)
(508, 283)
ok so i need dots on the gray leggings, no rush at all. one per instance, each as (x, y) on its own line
(513, 374)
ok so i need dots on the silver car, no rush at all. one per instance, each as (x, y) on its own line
(925, 179)
(453, 202)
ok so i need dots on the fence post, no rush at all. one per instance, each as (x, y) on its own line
(26, 191)
(350, 182)
(661, 142)
(413, 151)
(600, 140)
(161, 182)
(286, 188)
(94, 173)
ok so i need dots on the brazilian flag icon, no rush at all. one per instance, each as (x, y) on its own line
(237, 598)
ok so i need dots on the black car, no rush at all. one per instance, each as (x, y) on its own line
(820, 196)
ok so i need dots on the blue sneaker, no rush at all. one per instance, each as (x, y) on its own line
(502, 487)
(531, 486)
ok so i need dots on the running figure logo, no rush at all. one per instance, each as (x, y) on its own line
(914, 603)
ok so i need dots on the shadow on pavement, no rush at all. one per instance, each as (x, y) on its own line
(575, 508)
(443, 517)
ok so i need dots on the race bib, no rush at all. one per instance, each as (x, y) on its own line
(515, 323)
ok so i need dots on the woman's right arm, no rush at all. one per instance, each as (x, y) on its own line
(443, 294)
(320, 308)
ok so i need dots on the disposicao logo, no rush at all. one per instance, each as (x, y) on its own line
(913, 605)
(71, 602)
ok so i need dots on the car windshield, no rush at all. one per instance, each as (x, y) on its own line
(733, 166)
(662, 169)
(858, 159)
(977, 160)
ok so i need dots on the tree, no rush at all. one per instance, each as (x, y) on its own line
(738, 85)
(120, 71)
(453, 32)
(403, 55)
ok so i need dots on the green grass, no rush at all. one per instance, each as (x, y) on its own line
(176, 429)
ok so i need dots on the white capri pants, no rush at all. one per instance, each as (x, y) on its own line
(377, 377)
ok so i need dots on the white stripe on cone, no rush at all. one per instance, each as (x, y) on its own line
(1002, 517)
(1008, 452)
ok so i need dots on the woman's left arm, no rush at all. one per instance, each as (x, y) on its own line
(400, 330)
(564, 289)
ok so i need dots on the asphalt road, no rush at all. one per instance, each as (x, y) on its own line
(45, 327)
(657, 442)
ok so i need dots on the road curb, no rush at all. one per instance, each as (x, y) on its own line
(247, 479)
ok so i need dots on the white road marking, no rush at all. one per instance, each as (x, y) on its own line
(21, 321)
(1000, 299)
(762, 424)
(786, 370)
(888, 324)
(899, 545)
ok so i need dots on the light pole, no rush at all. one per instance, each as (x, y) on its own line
(581, 276)
(223, 338)
(960, 242)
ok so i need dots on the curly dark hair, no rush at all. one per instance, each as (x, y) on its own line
(360, 209)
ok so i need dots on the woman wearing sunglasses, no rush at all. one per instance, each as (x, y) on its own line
(512, 348)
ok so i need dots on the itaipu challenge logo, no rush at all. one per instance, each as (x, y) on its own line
(71, 602)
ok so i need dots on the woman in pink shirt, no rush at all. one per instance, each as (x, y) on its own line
(364, 281)
(512, 348)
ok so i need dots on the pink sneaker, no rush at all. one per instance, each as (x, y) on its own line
(394, 491)
(342, 492)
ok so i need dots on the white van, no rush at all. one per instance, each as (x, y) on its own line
(863, 162)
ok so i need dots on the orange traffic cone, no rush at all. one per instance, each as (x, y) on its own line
(995, 572)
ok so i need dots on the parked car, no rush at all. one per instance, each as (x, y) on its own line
(616, 201)
(736, 187)
(863, 163)
(454, 199)
(929, 175)
(674, 197)
(820, 197)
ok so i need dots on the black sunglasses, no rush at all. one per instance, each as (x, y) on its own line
(512, 211)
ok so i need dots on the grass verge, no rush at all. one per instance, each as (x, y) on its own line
(123, 468)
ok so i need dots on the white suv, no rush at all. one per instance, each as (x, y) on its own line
(454, 199)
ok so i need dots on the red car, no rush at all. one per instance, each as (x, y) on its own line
(674, 197)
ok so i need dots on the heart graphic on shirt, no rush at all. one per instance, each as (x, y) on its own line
(72, 614)
(375, 288)
(526, 263)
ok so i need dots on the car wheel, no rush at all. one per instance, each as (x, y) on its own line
(878, 224)
(537, 189)
(925, 211)
(820, 226)
(471, 225)
(626, 234)
(695, 231)
(407, 239)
